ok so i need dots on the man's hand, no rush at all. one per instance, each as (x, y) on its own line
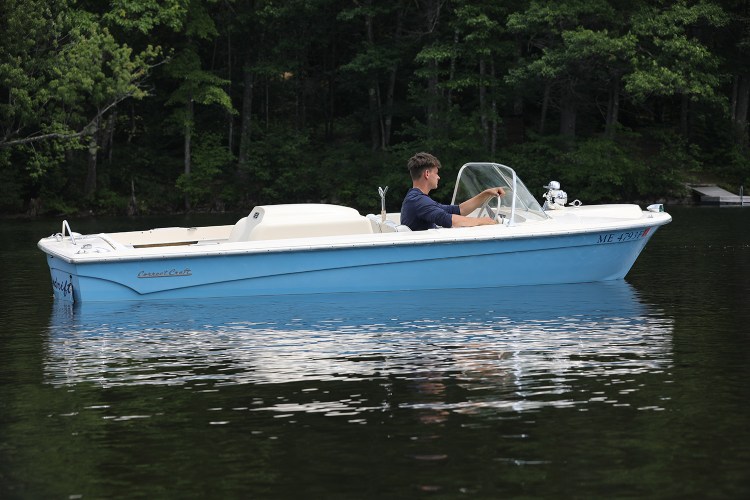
(472, 204)
(486, 221)
(495, 191)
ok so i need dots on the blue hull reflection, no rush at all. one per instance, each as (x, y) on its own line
(526, 339)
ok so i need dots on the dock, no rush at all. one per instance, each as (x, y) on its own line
(712, 194)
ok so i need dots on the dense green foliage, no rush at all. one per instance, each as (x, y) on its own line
(161, 105)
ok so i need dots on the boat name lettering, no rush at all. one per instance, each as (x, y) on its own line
(621, 237)
(65, 288)
(169, 273)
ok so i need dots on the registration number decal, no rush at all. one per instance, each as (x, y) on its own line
(624, 236)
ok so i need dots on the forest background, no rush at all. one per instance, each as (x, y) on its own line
(148, 106)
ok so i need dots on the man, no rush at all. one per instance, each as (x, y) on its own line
(421, 212)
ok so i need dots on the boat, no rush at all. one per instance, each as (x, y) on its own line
(310, 248)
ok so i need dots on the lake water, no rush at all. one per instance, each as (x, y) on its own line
(636, 388)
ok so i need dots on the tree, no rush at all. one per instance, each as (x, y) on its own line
(671, 60)
(482, 46)
(377, 61)
(576, 48)
(341, 92)
(62, 71)
(734, 47)
(196, 85)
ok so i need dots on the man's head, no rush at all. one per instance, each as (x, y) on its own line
(420, 162)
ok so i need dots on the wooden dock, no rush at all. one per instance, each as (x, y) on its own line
(712, 194)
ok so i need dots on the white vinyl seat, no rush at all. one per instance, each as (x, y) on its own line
(389, 226)
(240, 231)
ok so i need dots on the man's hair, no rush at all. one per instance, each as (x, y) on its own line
(421, 162)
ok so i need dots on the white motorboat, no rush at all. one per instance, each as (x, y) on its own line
(321, 248)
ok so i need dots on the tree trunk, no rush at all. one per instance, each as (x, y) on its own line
(740, 109)
(133, 129)
(132, 203)
(230, 117)
(93, 149)
(613, 108)
(432, 96)
(735, 90)
(381, 119)
(331, 108)
(388, 116)
(545, 107)
(452, 73)
(483, 105)
(684, 115)
(432, 14)
(568, 114)
(188, 136)
(298, 106)
(246, 127)
(268, 104)
(108, 135)
(493, 110)
(373, 93)
(374, 125)
(230, 132)
(389, 96)
(515, 129)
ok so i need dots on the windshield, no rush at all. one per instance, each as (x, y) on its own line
(473, 178)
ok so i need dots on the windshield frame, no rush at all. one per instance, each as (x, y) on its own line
(522, 200)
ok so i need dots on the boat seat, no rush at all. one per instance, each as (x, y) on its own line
(275, 222)
(389, 226)
(241, 230)
(374, 222)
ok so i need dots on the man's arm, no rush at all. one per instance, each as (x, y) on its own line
(472, 204)
(463, 221)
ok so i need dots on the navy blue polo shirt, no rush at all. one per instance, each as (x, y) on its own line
(420, 212)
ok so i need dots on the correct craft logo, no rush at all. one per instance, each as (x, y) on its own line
(168, 273)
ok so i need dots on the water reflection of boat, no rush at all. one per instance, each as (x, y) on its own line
(488, 336)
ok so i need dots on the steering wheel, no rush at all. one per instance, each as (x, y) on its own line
(492, 214)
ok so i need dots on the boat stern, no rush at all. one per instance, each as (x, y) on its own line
(62, 269)
(64, 283)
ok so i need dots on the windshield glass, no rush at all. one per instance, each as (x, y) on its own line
(473, 178)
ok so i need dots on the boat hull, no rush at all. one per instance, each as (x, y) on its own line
(558, 259)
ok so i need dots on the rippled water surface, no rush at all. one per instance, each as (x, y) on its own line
(634, 388)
